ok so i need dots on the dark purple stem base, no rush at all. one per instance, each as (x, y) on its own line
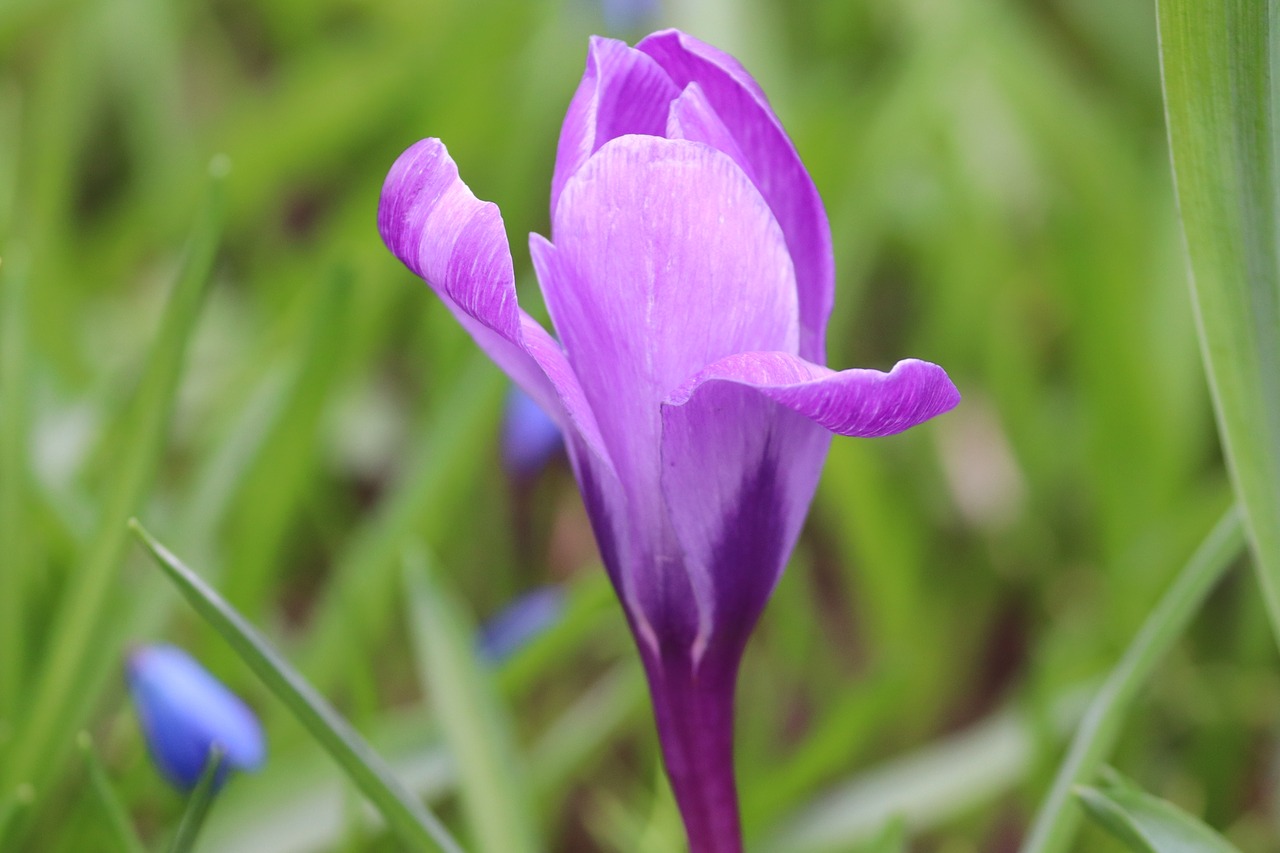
(694, 713)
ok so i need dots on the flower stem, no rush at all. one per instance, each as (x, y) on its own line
(693, 708)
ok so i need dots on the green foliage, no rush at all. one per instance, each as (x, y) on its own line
(297, 409)
(124, 836)
(1100, 728)
(1148, 824)
(892, 839)
(83, 636)
(414, 825)
(198, 805)
(491, 773)
(1219, 68)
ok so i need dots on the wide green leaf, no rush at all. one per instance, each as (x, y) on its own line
(416, 827)
(1219, 66)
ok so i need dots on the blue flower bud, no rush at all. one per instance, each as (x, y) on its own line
(518, 624)
(529, 437)
(184, 712)
(625, 16)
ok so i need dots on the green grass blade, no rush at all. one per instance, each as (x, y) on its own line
(123, 834)
(585, 730)
(490, 772)
(295, 803)
(892, 839)
(198, 805)
(407, 817)
(1058, 819)
(13, 805)
(928, 787)
(300, 802)
(1219, 67)
(15, 532)
(1147, 824)
(56, 703)
(268, 496)
(11, 124)
(366, 577)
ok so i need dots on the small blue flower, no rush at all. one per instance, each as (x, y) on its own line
(625, 16)
(529, 437)
(184, 712)
(518, 624)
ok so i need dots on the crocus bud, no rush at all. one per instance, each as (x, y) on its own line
(529, 436)
(185, 712)
(689, 275)
(519, 623)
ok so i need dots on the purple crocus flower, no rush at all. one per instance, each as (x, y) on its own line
(689, 277)
(185, 712)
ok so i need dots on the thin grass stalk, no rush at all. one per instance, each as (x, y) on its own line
(56, 704)
(1059, 816)
(416, 827)
(15, 532)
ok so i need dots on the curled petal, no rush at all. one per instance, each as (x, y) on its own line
(772, 164)
(742, 448)
(431, 221)
(858, 402)
(622, 91)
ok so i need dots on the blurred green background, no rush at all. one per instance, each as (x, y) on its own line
(998, 187)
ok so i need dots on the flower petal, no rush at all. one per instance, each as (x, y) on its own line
(431, 221)
(184, 712)
(666, 259)
(681, 54)
(858, 402)
(738, 473)
(772, 164)
(692, 117)
(742, 447)
(622, 91)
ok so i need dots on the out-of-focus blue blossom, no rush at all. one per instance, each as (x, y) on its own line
(184, 712)
(518, 624)
(529, 437)
(625, 16)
